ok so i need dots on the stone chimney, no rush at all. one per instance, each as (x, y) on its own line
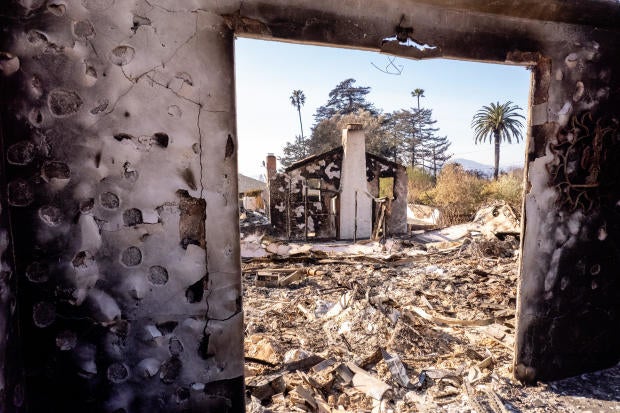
(355, 200)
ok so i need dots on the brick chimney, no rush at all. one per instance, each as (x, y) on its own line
(270, 164)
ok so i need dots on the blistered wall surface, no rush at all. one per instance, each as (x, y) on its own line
(569, 293)
(119, 149)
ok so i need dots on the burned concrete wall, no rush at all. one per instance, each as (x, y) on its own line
(377, 168)
(119, 177)
(569, 296)
(288, 196)
(296, 216)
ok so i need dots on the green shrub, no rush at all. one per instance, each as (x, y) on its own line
(458, 194)
(420, 182)
(509, 188)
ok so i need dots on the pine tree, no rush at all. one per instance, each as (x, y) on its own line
(435, 150)
(344, 99)
(295, 151)
(412, 129)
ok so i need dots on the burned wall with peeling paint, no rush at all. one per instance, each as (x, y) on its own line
(569, 305)
(376, 168)
(288, 201)
(119, 151)
(118, 140)
(290, 213)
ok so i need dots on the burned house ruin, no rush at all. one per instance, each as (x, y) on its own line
(344, 193)
(120, 285)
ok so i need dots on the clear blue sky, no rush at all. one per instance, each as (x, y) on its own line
(267, 73)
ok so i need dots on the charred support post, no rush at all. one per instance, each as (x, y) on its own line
(569, 292)
(270, 166)
(306, 211)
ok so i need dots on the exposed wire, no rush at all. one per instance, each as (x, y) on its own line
(391, 68)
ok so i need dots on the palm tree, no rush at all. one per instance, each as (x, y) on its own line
(500, 122)
(418, 93)
(298, 99)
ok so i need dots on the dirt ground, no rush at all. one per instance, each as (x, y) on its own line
(406, 327)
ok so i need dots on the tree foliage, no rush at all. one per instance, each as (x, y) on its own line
(405, 136)
(327, 134)
(508, 187)
(435, 154)
(418, 145)
(294, 151)
(458, 193)
(344, 99)
(419, 182)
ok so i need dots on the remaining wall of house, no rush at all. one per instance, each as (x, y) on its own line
(253, 201)
(287, 204)
(376, 169)
(121, 275)
(120, 280)
(289, 187)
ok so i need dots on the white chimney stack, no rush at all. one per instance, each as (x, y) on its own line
(355, 201)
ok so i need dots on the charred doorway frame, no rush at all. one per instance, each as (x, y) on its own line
(564, 55)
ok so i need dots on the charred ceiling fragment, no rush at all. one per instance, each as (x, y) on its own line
(403, 43)
(111, 108)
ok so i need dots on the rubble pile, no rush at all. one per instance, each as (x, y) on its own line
(418, 324)
(408, 330)
(251, 221)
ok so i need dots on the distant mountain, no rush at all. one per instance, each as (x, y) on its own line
(487, 170)
(473, 166)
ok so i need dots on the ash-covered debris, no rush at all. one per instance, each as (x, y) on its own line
(376, 326)
(252, 221)
(394, 326)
